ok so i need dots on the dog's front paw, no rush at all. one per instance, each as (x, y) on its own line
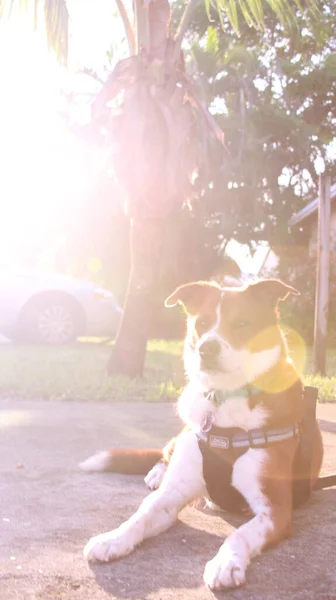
(225, 570)
(108, 546)
(155, 476)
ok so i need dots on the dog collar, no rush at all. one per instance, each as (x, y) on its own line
(218, 397)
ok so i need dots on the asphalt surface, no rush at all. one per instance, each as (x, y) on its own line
(49, 509)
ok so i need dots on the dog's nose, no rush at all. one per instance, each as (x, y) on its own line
(209, 349)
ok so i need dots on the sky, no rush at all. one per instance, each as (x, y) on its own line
(94, 26)
(43, 168)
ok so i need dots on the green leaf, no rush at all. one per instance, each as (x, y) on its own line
(284, 12)
(232, 14)
(220, 11)
(57, 25)
(212, 43)
(208, 5)
(252, 11)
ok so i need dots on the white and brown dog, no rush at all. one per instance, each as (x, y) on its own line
(243, 409)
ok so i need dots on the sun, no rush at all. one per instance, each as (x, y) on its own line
(29, 81)
(44, 168)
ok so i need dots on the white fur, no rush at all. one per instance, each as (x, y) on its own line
(155, 476)
(228, 567)
(235, 412)
(97, 462)
(236, 367)
(182, 483)
(193, 407)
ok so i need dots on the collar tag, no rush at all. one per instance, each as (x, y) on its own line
(202, 431)
(215, 398)
(208, 422)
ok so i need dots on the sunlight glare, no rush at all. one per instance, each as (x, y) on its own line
(40, 162)
(14, 418)
(45, 169)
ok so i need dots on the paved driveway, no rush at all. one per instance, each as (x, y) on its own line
(49, 509)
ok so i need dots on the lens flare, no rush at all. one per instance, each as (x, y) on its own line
(268, 341)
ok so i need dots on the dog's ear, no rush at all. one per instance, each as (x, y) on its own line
(193, 296)
(273, 289)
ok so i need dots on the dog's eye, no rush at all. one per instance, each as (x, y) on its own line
(240, 324)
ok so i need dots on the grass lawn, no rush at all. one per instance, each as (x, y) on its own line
(78, 373)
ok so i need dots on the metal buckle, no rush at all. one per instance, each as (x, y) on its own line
(207, 424)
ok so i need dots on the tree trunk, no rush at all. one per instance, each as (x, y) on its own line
(129, 351)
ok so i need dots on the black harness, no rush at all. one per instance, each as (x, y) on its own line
(217, 469)
(222, 446)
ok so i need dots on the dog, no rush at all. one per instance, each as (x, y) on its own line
(242, 409)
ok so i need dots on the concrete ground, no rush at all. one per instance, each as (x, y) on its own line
(49, 509)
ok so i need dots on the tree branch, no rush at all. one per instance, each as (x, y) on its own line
(129, 31)
(182, 28)
(142, 26)
(93, 74)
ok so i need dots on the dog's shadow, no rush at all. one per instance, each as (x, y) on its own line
(173, 561)
(172, 564)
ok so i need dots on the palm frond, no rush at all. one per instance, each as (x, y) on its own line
(57, 24)
(252, 11)
(51, 14)
(161, 134)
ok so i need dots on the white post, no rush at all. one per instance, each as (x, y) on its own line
(322, 277)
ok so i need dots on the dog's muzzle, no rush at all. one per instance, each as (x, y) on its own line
(209, 352)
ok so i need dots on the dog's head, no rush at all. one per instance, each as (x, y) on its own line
(232, 335)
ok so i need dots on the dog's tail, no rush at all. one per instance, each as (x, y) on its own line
(123, 460)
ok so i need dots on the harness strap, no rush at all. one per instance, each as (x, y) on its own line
(225, 438)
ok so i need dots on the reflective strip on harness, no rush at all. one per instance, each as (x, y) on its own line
(245, 439)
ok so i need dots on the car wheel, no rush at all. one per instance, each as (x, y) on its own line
(55, 324)
(52, 322)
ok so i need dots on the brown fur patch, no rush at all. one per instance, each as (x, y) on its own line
(197, 298)
(132, 461)
(248, 314)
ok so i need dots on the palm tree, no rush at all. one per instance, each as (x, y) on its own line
(160, 133)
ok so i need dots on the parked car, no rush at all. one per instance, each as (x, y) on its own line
(51, 308)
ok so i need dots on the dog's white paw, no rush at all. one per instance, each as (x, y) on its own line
(155, 476)
(109, 546)
(225, 570)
